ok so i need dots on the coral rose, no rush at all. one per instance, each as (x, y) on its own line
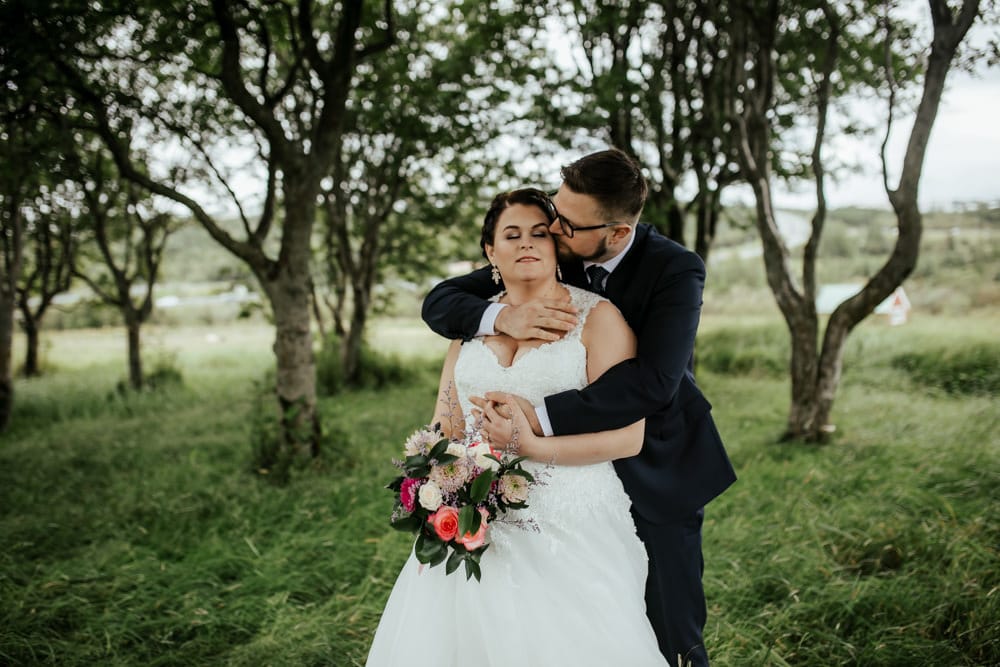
(445, 522)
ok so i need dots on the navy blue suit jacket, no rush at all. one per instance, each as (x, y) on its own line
(658, 289)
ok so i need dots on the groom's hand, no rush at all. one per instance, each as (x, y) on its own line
(546, 319)
(494, 408)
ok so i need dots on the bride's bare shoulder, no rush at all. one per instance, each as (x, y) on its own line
(604, 322)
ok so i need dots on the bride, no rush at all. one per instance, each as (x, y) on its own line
(572, 591)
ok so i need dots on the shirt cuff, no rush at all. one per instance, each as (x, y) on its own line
(489, 319)
(543, 419)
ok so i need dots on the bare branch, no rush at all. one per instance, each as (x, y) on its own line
(823, 93)
(388, 39)
(231, 76)
(891, 81)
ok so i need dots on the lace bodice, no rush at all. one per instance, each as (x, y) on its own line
(545, 370)
(539, 372)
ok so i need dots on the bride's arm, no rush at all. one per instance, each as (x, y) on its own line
(608, 340)
(447, 410)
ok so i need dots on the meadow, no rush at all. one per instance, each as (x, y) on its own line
(135, 529)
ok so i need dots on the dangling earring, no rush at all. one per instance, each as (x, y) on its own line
(558, 273)
(496, 274)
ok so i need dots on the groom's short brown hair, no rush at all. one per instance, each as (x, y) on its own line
(611, 177)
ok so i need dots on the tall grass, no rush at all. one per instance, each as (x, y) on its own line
(132, 530)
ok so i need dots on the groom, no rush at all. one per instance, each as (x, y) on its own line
(657, 285)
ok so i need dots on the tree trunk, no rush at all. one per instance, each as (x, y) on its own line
(133, 328)
(355, 335)
(708, 219)
(831, 362)
(12, 255)
(30, 328)
(296, 376)
(289, 291)
(802, 412)
(6, 347)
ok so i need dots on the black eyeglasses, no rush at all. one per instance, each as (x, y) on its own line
(568, 228)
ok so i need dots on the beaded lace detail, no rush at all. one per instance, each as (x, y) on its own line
(548, 369)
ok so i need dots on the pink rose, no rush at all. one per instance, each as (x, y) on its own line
(472, 542)
(408, 493)
(445, 522)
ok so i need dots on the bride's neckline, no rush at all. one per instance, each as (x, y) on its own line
(544, 344)
(516, 360)
(551, 294)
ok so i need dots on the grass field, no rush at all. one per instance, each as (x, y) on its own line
(133, 530)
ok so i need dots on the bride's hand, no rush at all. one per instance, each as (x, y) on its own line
(505, 425)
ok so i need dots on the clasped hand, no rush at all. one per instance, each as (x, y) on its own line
(508, 422)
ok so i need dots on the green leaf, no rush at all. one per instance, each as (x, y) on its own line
(438, 449)
(468, 520)
(429, 549)
(396, 484)
(416, 461)
(439, 555)
(410, 523)
(481, 486)
(472, 569)
(422, 471)
(522, 473)
(454, 560)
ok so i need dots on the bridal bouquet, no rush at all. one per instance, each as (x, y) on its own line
(449, 493)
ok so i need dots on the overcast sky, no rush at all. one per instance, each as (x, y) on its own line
(963, 157)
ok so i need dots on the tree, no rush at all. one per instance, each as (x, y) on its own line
(770, 44)
(14, 187)
(421, 122)
(26, 154)
(653, 79)
(48, 266)
(203, 76)
(130, 236)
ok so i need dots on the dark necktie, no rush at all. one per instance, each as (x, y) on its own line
(598, 276)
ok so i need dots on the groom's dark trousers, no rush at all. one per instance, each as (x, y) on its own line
(683, 464)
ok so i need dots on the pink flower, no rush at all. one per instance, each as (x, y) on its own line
(445, 522)
(408, 493)
(473, 542)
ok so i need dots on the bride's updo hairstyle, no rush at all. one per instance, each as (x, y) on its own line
(504, 200)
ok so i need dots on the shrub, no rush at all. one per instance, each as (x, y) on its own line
(968, 370)
(750, 351)
(375, 370)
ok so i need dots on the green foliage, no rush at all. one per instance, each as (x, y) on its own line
(376, 369)
(966, 370)
(756, 350)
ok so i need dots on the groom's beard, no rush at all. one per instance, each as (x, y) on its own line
(566, 254)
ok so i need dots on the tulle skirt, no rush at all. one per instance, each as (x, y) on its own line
(570, 593)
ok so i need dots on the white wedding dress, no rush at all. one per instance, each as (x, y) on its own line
(571, 593)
